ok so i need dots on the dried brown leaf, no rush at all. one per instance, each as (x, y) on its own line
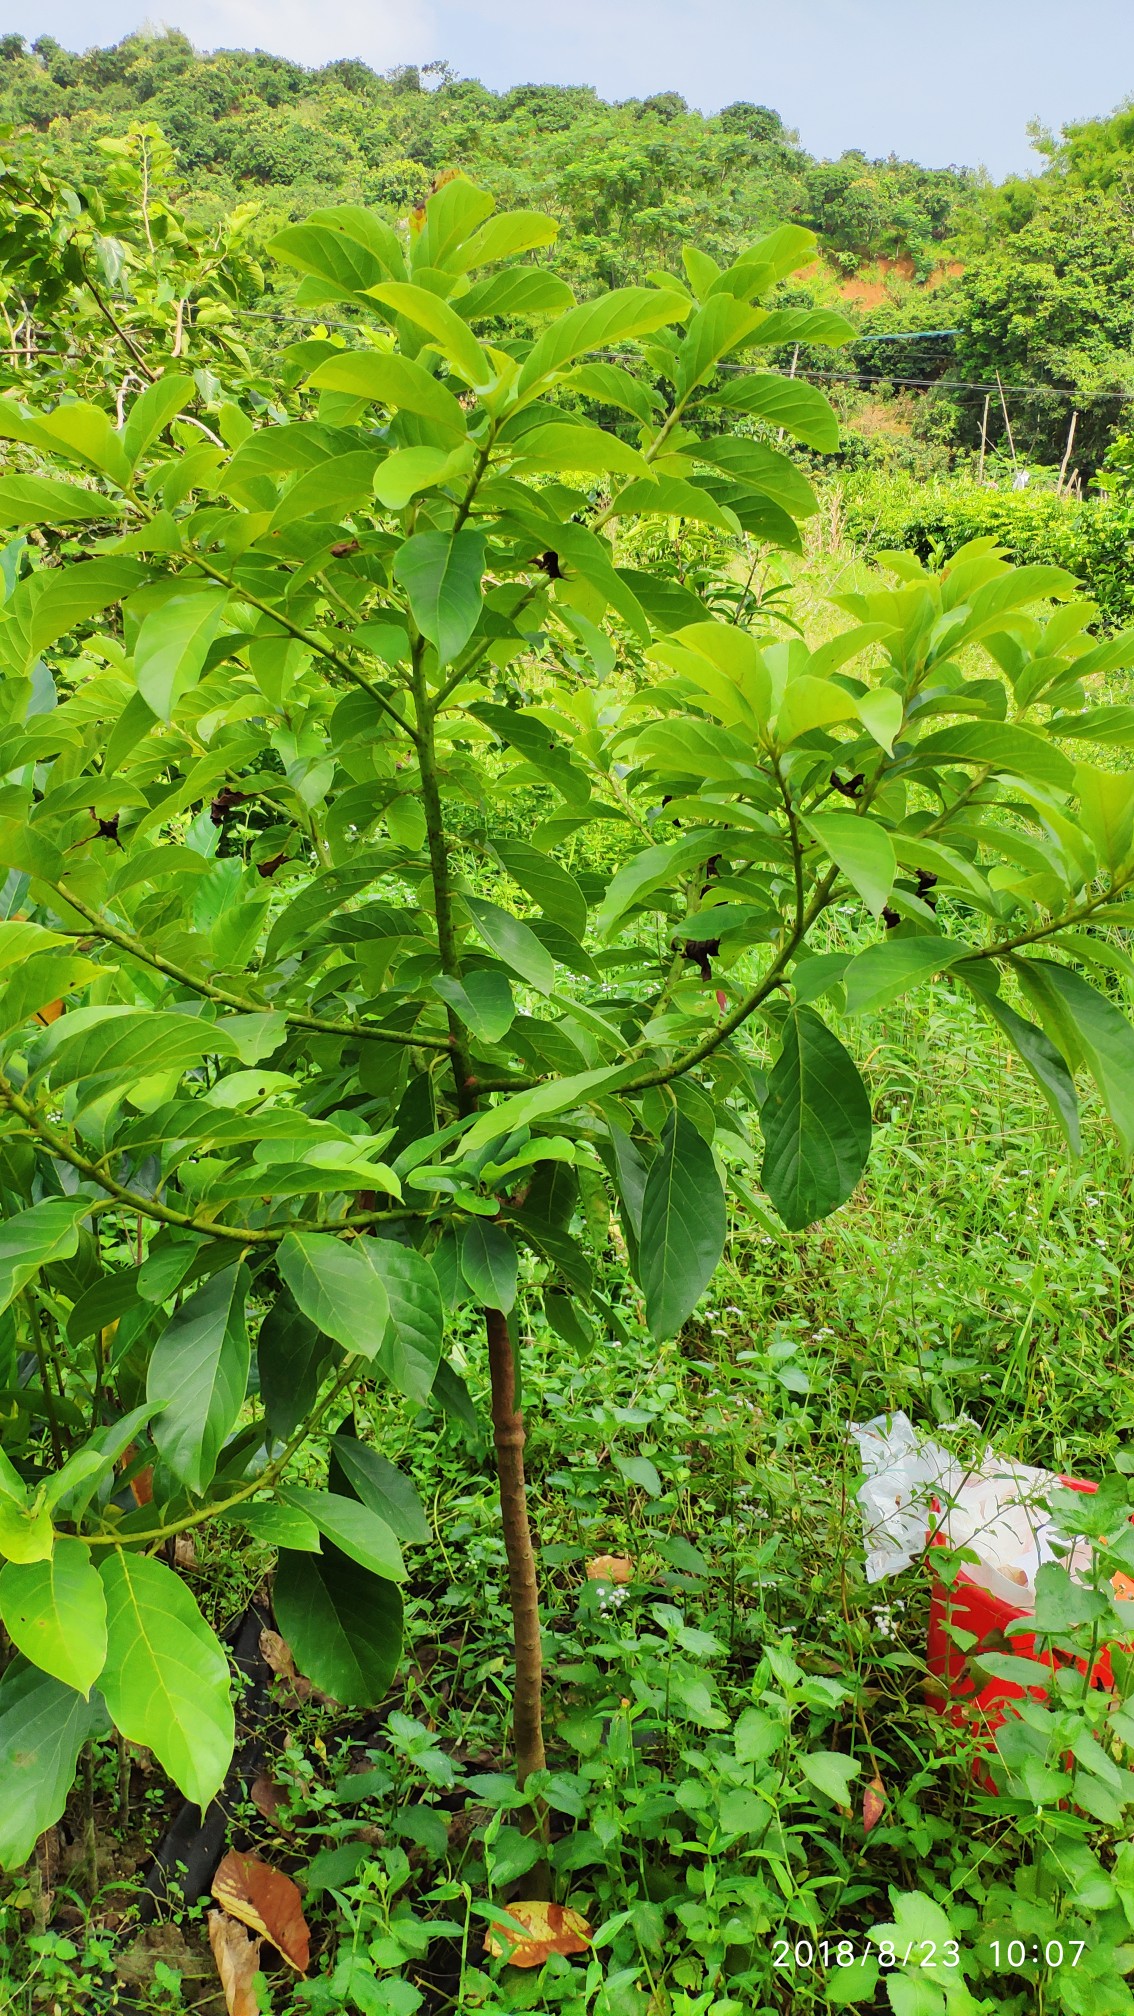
(237, 1957)
(873, 1803)
(268, 1901)
(610, 1568)
(276, 1653)
(267, 1797)
(551, 1928)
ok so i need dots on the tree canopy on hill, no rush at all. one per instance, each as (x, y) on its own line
(1032, 277)
(627, 182)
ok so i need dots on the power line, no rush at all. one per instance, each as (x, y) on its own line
(951, 385)
(865, 378)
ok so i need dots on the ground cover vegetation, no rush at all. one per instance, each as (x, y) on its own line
(489, 903)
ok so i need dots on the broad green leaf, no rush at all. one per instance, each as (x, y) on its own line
(513, 942)
(152, 411)
(46, 1231)
(452, 337)
(276, 1525)
(612, 386)
(658, 867)
(441, 573)
(863, 851)
(20, 941)
(503, 237)
(43, 500)
(383, 1487)
(82, 433)
(1086, 1026)
(883, 972)
(810, 703)
(816, 1123)
(673, 497)
(596, 325)
(1039, 1054)
(1110, 726)
(489, 1263)
(26, 1533)
(389, 380)
(453, 211)
(804, 325)
(411, 1347)
(541, 1102)
(831, 1772)
(348, 267)
(518, 290)
(918, 1924)
(999, 745)
(198, 1376)
(563, 446)
(762, 469)
(336, 1284)
(352, 1526)
(54, 1612)
(801, 410)
(536, 742)
(640, 1471)
(166, 1680)
(60, 597)
(344, 1625)
(482, 1001)
(549, 885)
(717, 327)
(110, 1049)
(682, 1227)
(173, 644)
(327, 493)
(881, 712)
(856, 1982)
(1106, 811)
(40, 981)
(409, 470)
(292, 1355)
(43, 1726)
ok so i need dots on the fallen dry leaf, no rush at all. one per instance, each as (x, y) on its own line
(610, 1568)
(267, 1797)
(551, 1928)
(237, 1956)
(276, 1653)
(873, 1803)
(268, 1901)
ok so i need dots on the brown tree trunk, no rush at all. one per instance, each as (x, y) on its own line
(508, 1433)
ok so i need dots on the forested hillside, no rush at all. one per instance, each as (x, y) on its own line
(629, 182)
(1033, 279)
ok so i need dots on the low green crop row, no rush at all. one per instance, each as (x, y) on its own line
(1093, 538)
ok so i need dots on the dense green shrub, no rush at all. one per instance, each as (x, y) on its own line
(1093, 538)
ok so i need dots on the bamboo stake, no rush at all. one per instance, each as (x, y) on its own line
(983, 437)
(1007, 422)
(1066, 454)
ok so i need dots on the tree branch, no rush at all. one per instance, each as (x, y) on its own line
(101, 927)
(165, 1214)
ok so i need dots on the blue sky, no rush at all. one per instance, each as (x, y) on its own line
(939, 82)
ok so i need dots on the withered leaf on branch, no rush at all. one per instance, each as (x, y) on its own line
(268, 1901)
(549, 1928)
